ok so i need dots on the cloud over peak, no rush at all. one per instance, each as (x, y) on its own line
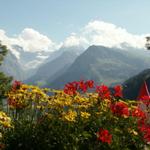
(94, 33)
(106, 34)
(34, 41)
(29, 39)
(75, 40)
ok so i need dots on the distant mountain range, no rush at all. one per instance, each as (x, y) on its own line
(53, 69)
(24, 65)
(43, 64)
(55, 66)
(30, 59)
(104, 65)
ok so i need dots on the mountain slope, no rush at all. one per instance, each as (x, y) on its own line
(132, 86)
(12, 67)
(104, 65)
(54, 67)
(30, 59)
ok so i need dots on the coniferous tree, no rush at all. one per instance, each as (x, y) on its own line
(4, 80)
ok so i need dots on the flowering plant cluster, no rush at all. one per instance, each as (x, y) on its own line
(81, 116)
(5, 124)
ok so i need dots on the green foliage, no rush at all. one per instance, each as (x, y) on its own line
(62, 121)
(4, 81)
(3, 52)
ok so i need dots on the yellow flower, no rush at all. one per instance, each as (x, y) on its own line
(5, 121)
(98, 113)
(40, 107)
(24, 97)
(85, 115)
(132, 131)
(117, 130)
(6, 124)
(1, 135)
(70, 116)
(48, 115)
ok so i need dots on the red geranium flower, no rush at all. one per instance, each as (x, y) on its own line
(137, 112)
(145, 130)
(71, 88)
(82, 86)
(104, 136)
(146, 100)
(103, 91)
(90, 83)
(118, 91)
(120, 109)
(16, 85)
(147, 135)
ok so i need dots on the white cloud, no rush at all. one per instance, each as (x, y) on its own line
(7, 41)
(106, 34)
(33, 41)
(42, 57)
(94, 33)
(74, 40)
(30, 39)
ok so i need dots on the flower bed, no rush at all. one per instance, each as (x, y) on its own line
(82, 116)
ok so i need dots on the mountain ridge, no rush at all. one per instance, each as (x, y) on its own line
(54, 67)
(131, 86)
(104, 65)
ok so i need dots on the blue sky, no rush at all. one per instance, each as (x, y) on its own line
(58, 18)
